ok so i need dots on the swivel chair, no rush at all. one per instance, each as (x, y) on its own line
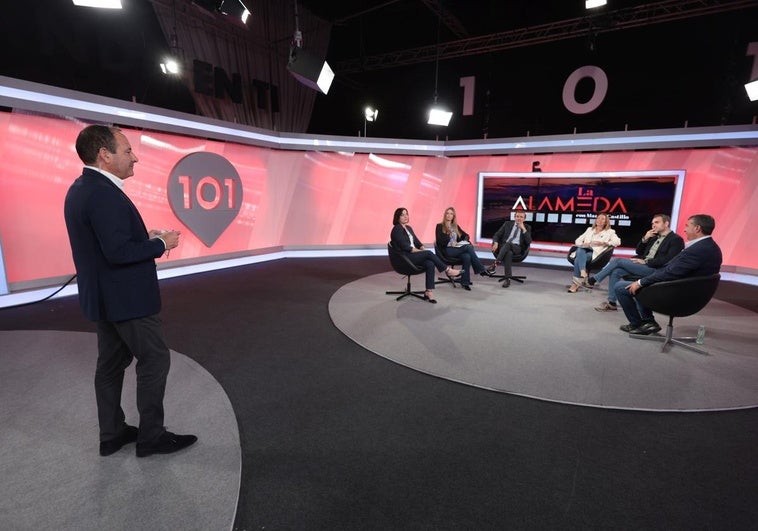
(440, 252)
(677, 298)
(596, 264)
(401, 264)
(516, 259)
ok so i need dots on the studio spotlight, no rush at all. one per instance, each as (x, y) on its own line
(310, 70)
(170, 66)
(590, 4)
(439, 116)
(752, 90)
(235, 9)
(369, 115)
(103, 4)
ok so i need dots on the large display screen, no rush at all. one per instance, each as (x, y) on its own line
(560, 206)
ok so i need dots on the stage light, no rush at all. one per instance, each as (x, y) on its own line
(170, 66)
(310, 70)
(235, 9)
(752, 90)
(439, 116)
(103, 4)
(590, 4)
(369, 115)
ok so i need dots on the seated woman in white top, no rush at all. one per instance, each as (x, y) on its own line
(594, 241)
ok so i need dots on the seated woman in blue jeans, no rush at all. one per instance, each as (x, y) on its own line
(404, 240)
(455, 243)
(594, 241)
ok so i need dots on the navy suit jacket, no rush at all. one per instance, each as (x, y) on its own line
(400, 241)
(702, 258)
(113, 256)
(525, 238)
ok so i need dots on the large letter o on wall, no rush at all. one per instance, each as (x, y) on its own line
(569, 89)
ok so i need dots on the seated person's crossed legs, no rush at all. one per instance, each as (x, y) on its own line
(617, 268)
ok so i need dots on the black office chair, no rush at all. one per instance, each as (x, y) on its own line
(401, 264)
(516, 259)
(677, 298)
(596, 264)
(452, 262)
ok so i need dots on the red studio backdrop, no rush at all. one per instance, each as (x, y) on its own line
(261, 197)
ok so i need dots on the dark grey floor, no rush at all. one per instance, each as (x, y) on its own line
(335, 437)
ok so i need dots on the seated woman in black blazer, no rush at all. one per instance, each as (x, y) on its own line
(404, 240)
(455, 243)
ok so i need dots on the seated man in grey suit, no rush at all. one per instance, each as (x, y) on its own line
(701, 256)
(509, 240)
(656, 248)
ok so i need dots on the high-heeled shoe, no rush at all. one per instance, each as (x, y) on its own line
(428, 297)
(452, 272)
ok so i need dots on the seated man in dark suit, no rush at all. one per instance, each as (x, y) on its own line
(700, 257)
(509, 240)
(656, 248)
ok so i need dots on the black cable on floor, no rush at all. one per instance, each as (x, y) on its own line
(41, 300)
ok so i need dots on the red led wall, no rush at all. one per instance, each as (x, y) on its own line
(299, 198)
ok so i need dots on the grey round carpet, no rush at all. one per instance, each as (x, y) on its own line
(537, 340)
(53, 476)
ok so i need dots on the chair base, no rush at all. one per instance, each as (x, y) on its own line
(404, 294)
(669, 341)
(446, 280)
(516, 278)
(408, 292)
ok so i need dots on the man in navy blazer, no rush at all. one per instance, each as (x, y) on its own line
(512, 238)
(114, 256)
(701, 257)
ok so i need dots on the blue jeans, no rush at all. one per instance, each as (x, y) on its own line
(467, 255)
(617, 268)
(581, 258)
(634, 311)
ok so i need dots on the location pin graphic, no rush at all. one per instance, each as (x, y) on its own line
(205, 193)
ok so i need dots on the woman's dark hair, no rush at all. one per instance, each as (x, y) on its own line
(396, 216)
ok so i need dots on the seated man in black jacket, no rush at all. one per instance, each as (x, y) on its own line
(510, 239)
(656, 248)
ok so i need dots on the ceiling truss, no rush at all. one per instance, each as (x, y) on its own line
(643, 15)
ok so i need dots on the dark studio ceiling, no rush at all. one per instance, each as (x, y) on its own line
(669, 63)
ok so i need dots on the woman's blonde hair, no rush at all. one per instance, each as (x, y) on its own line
(454, 223)
(607, 220)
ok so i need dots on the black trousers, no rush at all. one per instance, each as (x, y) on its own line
(117, 344)
(428, 260)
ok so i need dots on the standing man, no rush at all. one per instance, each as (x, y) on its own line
(509, 240)
(701, 256)
(115, 257)
(656, 248)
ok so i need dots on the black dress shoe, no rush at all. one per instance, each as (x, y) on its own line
(643, 330)
(627, 327)
(168, 443)
(466, 287)
(650, 327)
(507, 283)
(128, 435)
